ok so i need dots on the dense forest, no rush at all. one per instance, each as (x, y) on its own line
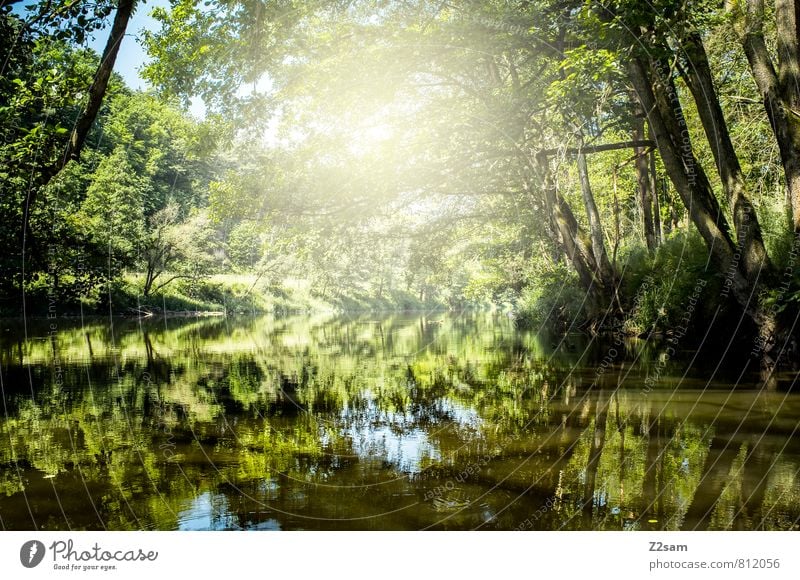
(605, 166)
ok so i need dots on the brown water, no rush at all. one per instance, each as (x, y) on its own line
(382, 422)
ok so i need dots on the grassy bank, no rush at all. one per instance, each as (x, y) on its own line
(224, 293)
(672, 288)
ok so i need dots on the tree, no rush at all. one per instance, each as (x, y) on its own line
(45, 74)
(175, 249)
(112, 211)
(750, 243)
(244, 245)
(780, 89)
(97, 90)
(161, 248)
(647, 56)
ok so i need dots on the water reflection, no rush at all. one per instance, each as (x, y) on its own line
(402, 422)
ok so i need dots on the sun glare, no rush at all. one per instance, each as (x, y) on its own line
(369, 137)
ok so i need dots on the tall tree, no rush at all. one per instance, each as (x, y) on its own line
(780, 90)
(99, 86)
(645, 182)
(750, 243)
(97, 92)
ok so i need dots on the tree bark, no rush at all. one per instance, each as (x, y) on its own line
(786, 20)
(754, 260)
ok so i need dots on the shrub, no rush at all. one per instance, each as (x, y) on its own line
(552, 297)
(658, 289)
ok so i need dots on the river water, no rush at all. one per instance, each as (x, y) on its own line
(382, 422)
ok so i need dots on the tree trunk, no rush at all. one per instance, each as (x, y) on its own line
(150, 277)
(778, 96)
(98, 89)
(754, 260)
(593, 215)
(644, 183)
(656, 204)
(682, 168)
(659, 98)
(786, 19)
(617, 228)
(574, 243)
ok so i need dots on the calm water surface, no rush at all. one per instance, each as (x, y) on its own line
(382, 422)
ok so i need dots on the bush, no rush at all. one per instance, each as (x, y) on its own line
(658, 289)
(552, 298)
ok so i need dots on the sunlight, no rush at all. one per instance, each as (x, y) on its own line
(366, 140)
(399, 265)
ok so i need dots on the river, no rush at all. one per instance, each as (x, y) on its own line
(382, 422)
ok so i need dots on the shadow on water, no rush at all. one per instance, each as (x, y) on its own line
(381, 422)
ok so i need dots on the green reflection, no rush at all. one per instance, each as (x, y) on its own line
(397, 422)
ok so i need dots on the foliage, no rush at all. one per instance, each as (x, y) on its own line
(660, 302)
(387, 156)
(552, 299)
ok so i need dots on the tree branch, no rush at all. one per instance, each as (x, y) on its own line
(639, 143)
(175, 277)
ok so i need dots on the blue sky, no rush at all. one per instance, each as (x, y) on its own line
(131, 55)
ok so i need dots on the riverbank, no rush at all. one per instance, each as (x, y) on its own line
(220, 294)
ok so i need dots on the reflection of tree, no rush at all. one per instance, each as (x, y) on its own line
(328, 417)
(600, 413)
(656, 451)
(754, 476)
(157, 367)
(713, 480)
